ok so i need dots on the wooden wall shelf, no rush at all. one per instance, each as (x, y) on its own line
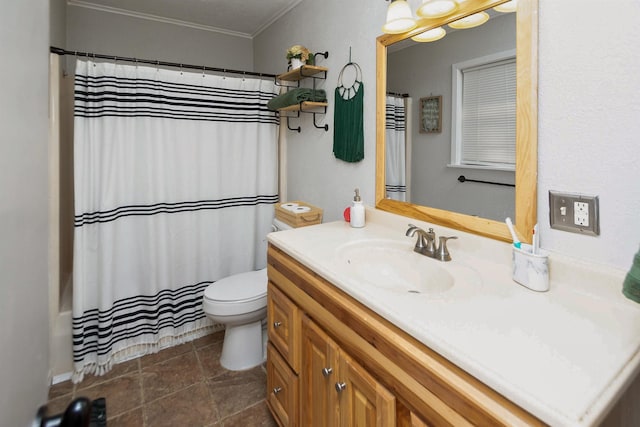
(302, 73)
(305, 106)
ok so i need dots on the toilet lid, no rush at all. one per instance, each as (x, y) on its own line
(239, 287)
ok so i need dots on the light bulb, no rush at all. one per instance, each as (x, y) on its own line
(399, 18)
(436, 8)
(470, 21)
(430, 36)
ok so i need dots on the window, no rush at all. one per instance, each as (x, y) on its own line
(484, 112)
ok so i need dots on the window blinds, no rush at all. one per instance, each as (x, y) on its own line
(489, 114)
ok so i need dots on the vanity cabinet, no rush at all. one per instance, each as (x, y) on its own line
(335, 390)
(332, 361)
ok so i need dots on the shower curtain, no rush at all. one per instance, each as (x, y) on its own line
(396, 148)
(175, 181)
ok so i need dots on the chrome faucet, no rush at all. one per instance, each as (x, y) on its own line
(425, 245)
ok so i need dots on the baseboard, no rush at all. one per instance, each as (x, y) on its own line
(61, 378)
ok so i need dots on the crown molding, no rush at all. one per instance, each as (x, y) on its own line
(165, 20)
(275, 18)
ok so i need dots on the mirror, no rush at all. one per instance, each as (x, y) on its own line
(525, 175)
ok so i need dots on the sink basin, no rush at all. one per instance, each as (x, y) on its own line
(392, 265)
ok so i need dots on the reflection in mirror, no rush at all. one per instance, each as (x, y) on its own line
(426, 187)
(424, 149)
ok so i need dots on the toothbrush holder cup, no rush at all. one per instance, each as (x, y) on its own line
(531, 270)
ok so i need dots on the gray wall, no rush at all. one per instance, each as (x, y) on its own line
(94, 31)
(424, 69)
(58, 20)
(24, 358)
(314, 174)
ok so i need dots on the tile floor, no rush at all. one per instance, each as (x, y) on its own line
(179, 386)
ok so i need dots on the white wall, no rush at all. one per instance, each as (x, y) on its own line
(24, 331)
(95, 31)
(589, 120)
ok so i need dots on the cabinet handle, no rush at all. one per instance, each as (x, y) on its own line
(277, 390)
(277, 324)
(327, 371)
(340, 387)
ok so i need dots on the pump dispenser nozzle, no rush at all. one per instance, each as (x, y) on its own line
(357, 211)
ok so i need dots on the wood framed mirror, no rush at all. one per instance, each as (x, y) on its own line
(526, 128)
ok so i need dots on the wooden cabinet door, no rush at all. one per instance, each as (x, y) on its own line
(282, 389)
(363, 401)
(318, 398)
(283, 326)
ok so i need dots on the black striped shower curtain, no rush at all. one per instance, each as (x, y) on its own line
(395, 148)
(175, 180)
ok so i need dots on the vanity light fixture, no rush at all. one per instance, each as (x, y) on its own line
(470, 21)
(507, 7)
(436, 8)
(399, 18)
(430, 36)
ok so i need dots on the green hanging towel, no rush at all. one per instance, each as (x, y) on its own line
(631, 284)
(348, 125)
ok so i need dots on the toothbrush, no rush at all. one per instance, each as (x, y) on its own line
(536, 240)
(516, 242)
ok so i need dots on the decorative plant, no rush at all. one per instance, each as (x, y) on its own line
(298, 51)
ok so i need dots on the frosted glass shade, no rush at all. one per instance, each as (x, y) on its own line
(507, 7)
(430, 36)
(436, 8)
(399, 18)
(470, 21)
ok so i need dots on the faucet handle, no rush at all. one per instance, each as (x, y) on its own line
(443, 253)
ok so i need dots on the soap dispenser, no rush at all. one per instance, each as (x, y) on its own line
(357, 211)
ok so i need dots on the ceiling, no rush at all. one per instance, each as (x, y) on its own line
(244, 18)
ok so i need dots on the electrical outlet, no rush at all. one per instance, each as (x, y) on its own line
(577, 213)
(581, 214)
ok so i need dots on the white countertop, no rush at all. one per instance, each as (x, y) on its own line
(564, 355)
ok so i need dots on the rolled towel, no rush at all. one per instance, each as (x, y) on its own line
(296, 96)
(631, 285)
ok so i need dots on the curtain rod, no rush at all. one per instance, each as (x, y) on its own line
(399, 95)
(63, 52)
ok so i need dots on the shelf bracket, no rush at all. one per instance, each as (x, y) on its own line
(325, 127)
(325, 54)
(298, 129)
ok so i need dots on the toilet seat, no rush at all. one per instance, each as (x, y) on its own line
(240, 293)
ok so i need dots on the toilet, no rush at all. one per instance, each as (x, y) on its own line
(240, 303)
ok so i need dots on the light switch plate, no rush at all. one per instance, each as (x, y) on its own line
(577, 213)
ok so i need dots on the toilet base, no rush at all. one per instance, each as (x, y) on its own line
(242, 347)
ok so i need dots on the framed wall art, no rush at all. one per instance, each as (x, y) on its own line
(431, 114)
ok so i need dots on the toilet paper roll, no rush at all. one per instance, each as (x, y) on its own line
(289, 206)
(301, 209)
